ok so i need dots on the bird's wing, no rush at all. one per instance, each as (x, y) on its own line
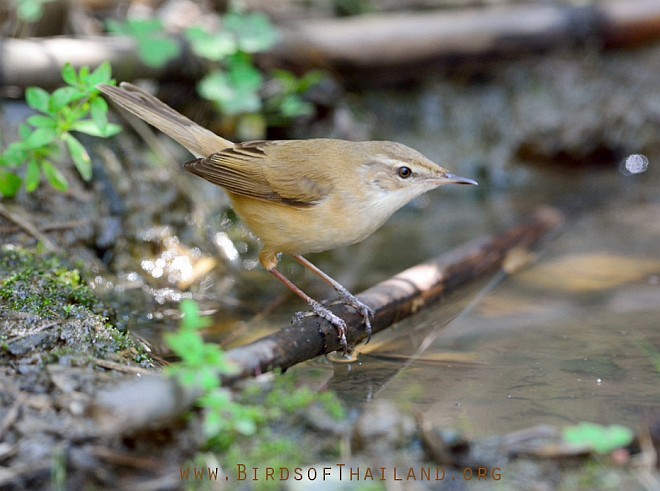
(246, 169)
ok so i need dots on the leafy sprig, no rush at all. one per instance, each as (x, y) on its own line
(226, 418)
(233, 83)
(75, 107)
(200, 367)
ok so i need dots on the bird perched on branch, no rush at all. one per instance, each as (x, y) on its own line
(299, 196)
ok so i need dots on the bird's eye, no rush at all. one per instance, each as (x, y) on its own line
(404, 172)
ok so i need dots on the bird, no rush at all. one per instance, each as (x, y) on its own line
(299, 196)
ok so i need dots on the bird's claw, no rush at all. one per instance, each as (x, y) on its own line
(321, 310)
(325, 313)
(366, 311)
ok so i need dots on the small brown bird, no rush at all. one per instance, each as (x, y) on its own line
(299, 196)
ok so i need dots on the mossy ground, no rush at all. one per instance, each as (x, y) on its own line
(46, 306)
(42, 285)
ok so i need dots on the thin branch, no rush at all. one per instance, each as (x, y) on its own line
(28, 227)
(49, 227)
(120, 367)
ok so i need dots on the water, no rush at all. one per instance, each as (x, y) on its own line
(573, 337)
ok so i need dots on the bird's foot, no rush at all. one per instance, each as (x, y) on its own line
(324, 313)
(366, 311)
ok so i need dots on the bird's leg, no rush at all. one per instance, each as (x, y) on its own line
(318, 308)
(346, 296)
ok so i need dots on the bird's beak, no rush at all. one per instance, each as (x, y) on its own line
(450, 178)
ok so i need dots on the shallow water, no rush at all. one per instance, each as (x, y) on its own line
(575, 336)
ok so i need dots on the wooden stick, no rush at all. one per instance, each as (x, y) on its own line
(156, 399)
(27, 226)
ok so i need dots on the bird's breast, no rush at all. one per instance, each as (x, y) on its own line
(324, 226)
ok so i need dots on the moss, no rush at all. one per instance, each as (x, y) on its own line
(43, 285)
(37, 286)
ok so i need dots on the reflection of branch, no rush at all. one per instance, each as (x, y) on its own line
(131, 406)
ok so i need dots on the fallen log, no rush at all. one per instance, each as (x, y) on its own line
(359, 47)
(39, 61)
(153, 400)
(386, 44)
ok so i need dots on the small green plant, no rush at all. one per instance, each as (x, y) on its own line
(200, 367)
(286, 96)
(233, 82)
(240, 91)
(598, 438)
(154, 47)
(226, 417)
(76, 107)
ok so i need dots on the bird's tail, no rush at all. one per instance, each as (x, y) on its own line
(197, 139)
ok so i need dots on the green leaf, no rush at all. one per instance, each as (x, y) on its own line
(99, 111)
(231, 97)
(9, 184)
(32, 176)
(191, 318)
(37, 98)
(15, 154)
(116, 27)
(293, 106)
(54, 176)
(188, 345)
(244, 74)
(157, 52)
(69, 114)
(237, 90)
(153, 47)
(214, 47)
(215, 86)
(255, 32)
(40, 138)
(89, 127)
(64, 96)
(30, 10)
(286, 80)
(310, 80)
(102, 75)
(24, 130)
(145, 28)
(69, 74)
(598, 438)
(41, 121)
(79, 155)
(83, 74)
